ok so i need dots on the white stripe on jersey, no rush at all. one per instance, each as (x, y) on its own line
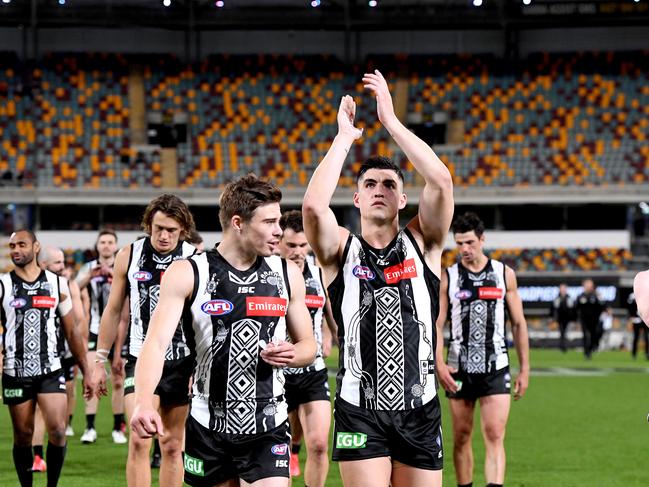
(136, 329)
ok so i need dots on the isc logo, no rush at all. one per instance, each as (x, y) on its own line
(281, 463)
(246, 289)
(217, 307)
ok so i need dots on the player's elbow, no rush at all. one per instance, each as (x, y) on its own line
(312, 206)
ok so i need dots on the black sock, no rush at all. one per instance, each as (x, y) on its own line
(23, 460)
(118, 419)
(90, 421)
(55, 456)
(156, 447)
(70, 420)
(470, 484)
(38, 450)
(295, 448)
(494, 485)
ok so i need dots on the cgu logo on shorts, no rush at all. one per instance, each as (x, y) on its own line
(142, 276)
(403, 270)
(13, 393)
(217, 307)
(279, 449)
(194, 466)
(362, 272)
(17, 303)
(43, 301)
(490, 293)
(351, 440)
(129, 382)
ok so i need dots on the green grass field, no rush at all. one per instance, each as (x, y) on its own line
(580, 424)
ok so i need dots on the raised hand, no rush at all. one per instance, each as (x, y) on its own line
(375, 82)
(346, 114)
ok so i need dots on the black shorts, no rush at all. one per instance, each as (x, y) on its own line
(173, 387)
(412, 437)
(67, 365)
(16, 390)
(306, 387)
(92, 342)
(474, 386)
(212, 458)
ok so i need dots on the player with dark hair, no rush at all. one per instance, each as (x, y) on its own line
(96, 278)
(138, 271)
(237, 302)
(32, 301)
(477, 291)
(307, 388)
(384, 289)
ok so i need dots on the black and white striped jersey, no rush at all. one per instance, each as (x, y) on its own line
(98, 290)
(315, 302)
(478, 342)
(31, 328)
(385, 302)
(145, 270)
(229, 319)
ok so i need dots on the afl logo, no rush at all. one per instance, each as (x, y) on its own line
(279, 449)
(17, 303)
(217, 307)
(142, 276)
(463, 294)
(362, 272)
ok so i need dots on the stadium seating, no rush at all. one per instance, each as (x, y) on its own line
(559, 259)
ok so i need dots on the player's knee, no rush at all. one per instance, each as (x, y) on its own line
(171, 447)
(317, 447)
(23, 436)
(139, 446)
(57, 435)
(494, 433)
(462, 433)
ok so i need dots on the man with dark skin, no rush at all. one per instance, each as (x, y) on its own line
(31, 299)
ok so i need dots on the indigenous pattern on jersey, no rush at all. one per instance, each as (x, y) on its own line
(98, 289)
(29, 314)
(477, 308)
(145, 270)
(385, 303)
(231, 317)
(315, 302)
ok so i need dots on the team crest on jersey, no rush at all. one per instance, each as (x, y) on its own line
(313, 283)
(274, 279)
(362, 272)
(211, 284)
(463, 294)
(17, 303)
(142, 276)
(217, 307)
(46, 286)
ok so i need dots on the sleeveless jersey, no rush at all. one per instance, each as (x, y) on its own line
(315, 302)
(98, 289)
(29, 313)
(477, 308)
(145, 270)
(385, 302)
(230, 318)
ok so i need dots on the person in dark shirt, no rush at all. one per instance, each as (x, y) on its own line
(589, 309)
(563, 312)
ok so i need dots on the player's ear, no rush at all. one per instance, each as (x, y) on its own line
(403, 200)
(356, 200)
(235, 223)
(37, 247)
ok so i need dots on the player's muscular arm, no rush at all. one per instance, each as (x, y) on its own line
(641, 291)
(77, 304)
(175, 288)
(320, 223)
(519, 330)
(436, 200)
(302, 348)
(443, 371)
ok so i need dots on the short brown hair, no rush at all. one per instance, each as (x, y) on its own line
(107, 231)
(243, 196)
(172, 206)
(293, 220)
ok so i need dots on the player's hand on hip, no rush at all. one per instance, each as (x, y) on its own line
(279, 354)
(146, 422)
(346, 114)
(445, 378)
(520, 386)
(376, 83)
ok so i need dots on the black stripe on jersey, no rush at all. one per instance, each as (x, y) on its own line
(3, 316)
